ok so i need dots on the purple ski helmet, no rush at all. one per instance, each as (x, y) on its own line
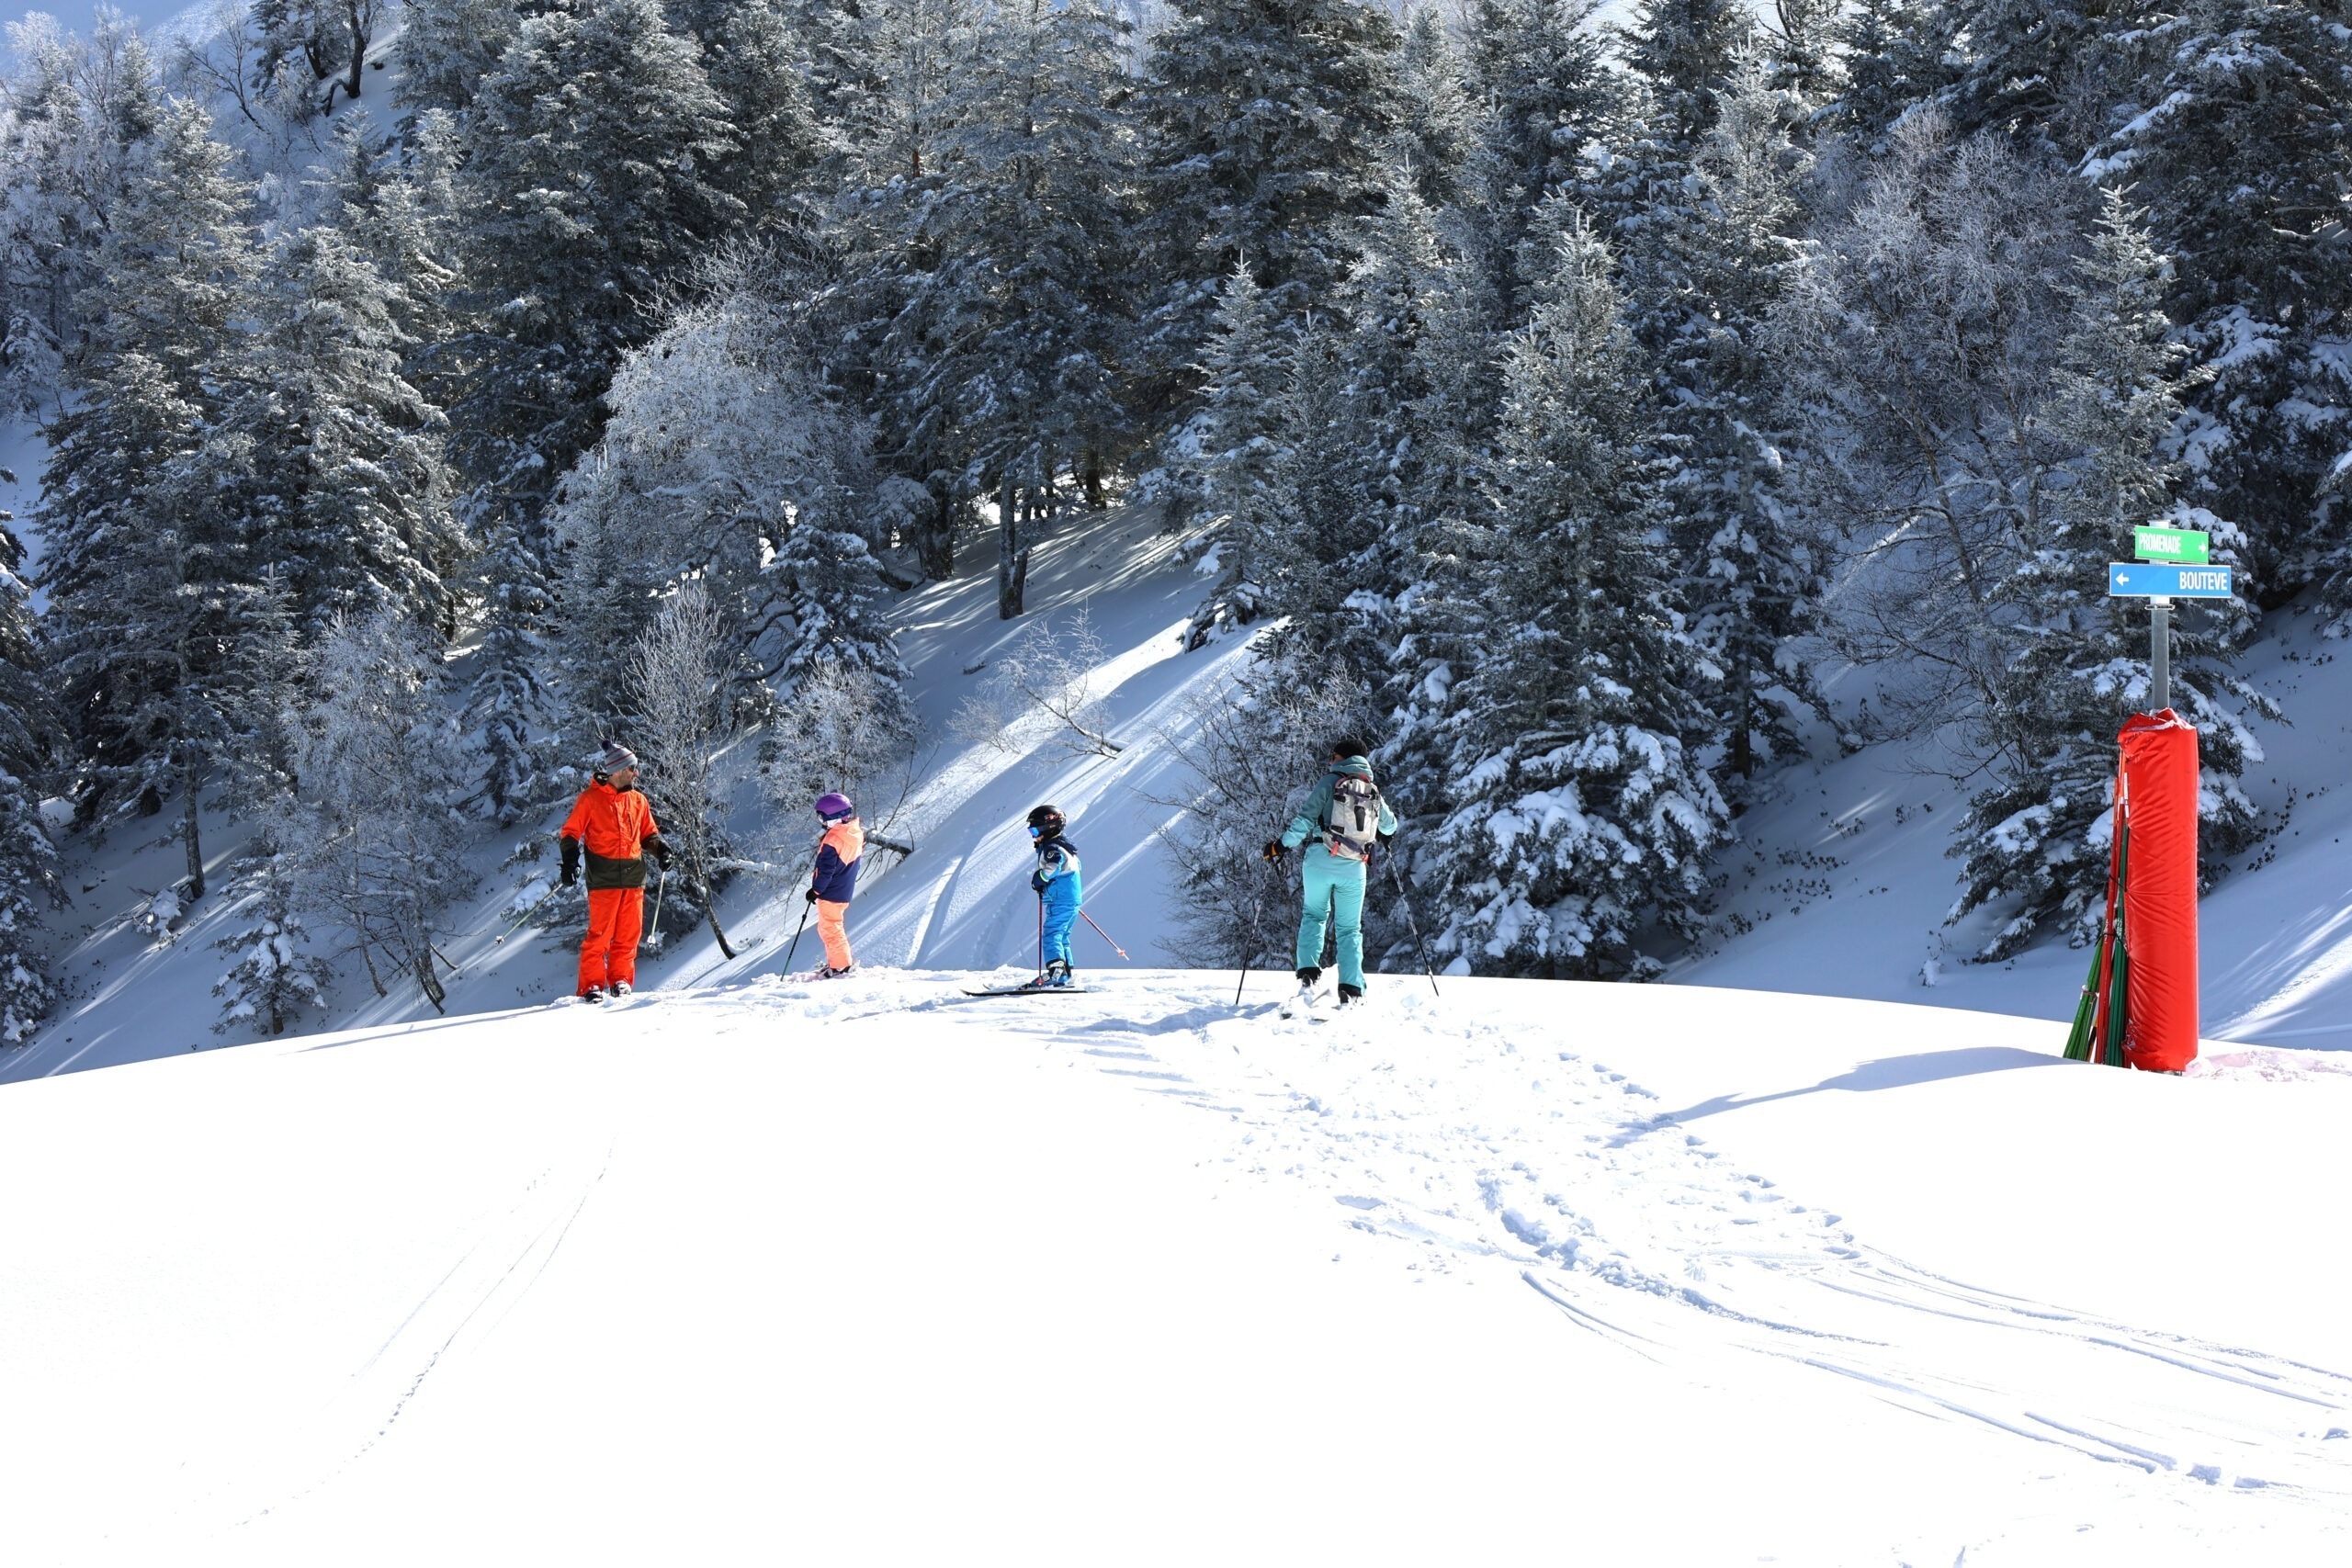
(832, 807)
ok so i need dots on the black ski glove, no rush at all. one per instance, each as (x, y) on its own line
(660, 847)
(570, 862)
(1274, 850)
(812, 895)
(1385, 838)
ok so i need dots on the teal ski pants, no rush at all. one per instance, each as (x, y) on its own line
(1334, 899)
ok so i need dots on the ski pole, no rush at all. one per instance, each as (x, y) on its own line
(530, 912)
(804, 906)
(661, 886)
(1103, 934)
(1398, 883)
(795, 937)
(1256, 906)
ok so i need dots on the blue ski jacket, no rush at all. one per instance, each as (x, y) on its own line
(1056, 879)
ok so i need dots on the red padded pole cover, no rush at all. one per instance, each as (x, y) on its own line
(2160, 895)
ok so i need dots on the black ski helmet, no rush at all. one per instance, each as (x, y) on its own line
(1048, 820)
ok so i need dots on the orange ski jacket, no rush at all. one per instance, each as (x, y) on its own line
(613, 826)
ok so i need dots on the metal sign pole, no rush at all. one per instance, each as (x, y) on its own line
(2160, 654)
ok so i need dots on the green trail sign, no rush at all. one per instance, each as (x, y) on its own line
(2180, 546)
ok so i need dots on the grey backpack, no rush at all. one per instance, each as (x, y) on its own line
(1352, 825)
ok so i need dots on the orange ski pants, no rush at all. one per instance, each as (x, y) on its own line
(833, 932)
(608, 952)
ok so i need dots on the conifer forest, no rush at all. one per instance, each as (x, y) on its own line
(418, 395)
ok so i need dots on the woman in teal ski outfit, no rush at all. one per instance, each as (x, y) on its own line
(1346, 819)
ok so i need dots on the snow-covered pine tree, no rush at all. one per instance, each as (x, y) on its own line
(1265, 122)
(402, 216)
(1893, 54)
(1306, 540)
(28, 878)
(1227, 455)
(590, 185)
(1362, 423)
(273, 976)
(510, 707)
(830, 588)
(448, 48)
(1540, 73)
(2033, 71)
(78, 111)
(753, 59)
(1680, 55)
(1701, 295)
(1799, 44)
(1577, 815)
(337, 457)
(2238, 147)
(1684, 52)
(1028, 226)
(891, 76)
(376, 835)
(603, 600)
(145, 563)
(2074, 660)
(1439, 122)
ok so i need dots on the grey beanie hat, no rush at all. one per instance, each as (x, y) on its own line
(616, 757)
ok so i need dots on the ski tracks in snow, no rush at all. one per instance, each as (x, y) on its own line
(1469, 1146)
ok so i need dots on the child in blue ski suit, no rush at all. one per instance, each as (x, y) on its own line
(1334, 866)
(1056, 884)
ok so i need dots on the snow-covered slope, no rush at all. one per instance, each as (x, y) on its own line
(961, 901)
(867, 1272)
(1839, 887)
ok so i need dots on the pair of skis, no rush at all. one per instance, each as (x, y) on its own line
(1306, 999)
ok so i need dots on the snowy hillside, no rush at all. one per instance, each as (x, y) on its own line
(961, 902)
(872, 1273)
(1843, 883)
(1838, 887)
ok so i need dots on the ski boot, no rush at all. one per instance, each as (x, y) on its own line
(1058, 973)
(828, 973)
(1350, 996)
(622, 989)
(1305, 999)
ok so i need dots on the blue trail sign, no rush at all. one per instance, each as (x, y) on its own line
(2155, 580)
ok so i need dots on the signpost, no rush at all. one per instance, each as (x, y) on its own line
(2140, 579)
(2183, 547)
(2171, 566)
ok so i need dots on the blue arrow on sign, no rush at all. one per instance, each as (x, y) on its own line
(2153, 580)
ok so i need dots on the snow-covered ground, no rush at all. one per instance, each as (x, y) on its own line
(869, 1272)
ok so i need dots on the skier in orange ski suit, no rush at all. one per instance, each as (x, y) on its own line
(615, 826)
